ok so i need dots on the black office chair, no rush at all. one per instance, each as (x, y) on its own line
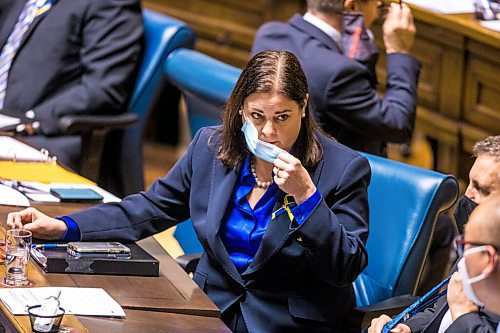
(122, 172)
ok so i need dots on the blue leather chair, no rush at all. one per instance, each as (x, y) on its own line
(205, 84)
(404, 204)
(404, 200)
(162, 35)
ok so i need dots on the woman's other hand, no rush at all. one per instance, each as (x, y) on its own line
(41, 225)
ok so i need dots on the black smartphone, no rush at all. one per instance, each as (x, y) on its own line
(76, 194)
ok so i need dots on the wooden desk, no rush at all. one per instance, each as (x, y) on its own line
(171, 302)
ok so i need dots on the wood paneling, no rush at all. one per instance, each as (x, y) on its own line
(459, 89)
(226, 28)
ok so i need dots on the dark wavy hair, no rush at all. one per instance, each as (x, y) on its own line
(268, 72)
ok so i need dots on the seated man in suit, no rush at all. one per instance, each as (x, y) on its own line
(342, 88)
(481, 256)
(60, 57)
(456, 313)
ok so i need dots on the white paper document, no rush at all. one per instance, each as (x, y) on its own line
(446, 6)
(77, 301)
(7, 121)
(11, 149)
(493, 25)
(17, 193)
(12, 197)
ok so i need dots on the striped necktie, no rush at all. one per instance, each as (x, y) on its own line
(10, 48)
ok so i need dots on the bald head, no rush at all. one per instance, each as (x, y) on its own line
(484, 228)
(484, 223)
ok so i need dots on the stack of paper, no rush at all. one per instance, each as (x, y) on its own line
(13, 150)
(7, 122)
(446, 6)
(78, 301)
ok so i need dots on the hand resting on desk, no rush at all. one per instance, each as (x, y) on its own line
(41, 225)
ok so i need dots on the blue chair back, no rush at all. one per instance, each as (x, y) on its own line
(404, 200)
(404, 204)
(162, 35)
(205, 84)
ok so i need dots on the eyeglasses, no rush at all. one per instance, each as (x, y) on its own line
(460, 245)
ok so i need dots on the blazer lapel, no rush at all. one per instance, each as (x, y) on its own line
(9, 15)
(33, 25)
(275, 236)
(442, 308)
(221, 191)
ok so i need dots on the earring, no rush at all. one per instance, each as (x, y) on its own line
(240, 112)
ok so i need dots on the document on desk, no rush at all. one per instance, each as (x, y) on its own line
(77, 301)
(11, 149)
(7, 122)
(493, 25)
(446, 6)
(12, 197)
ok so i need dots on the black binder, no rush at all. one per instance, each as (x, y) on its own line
(58, 260)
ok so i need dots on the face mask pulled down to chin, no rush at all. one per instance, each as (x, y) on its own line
(464, 208)
(263, 150)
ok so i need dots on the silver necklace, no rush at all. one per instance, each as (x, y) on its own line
(259, 182)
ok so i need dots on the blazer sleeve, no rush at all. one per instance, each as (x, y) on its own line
(111, 48)
(335, 233)
(477, 322)
(163, 205)
(352, 101)
(422, 319)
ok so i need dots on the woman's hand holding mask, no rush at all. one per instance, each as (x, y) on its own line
(292, 178)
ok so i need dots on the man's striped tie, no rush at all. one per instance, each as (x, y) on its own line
(13, 42)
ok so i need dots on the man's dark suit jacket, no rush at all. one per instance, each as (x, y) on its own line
(79, 57)
(343, 91)
(300, 278)
(428, 321)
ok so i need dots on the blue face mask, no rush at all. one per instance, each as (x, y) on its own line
(263, 150)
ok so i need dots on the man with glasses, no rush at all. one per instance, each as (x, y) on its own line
(337, 51)
(459, 311)
(480, 264)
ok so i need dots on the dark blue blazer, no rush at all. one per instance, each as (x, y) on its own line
(343, 90)
(300, 278)
(79, 57)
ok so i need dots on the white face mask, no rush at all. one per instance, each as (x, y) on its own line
(263, 150)
(466, 280)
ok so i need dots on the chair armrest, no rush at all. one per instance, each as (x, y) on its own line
(188, 262)
(390, 307)
(78, 124)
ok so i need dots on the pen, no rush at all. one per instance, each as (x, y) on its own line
(49, 246)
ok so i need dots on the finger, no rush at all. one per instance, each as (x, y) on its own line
(280, 164)
(406, 16)
(279, 181)
(14, 221)
(285, 157)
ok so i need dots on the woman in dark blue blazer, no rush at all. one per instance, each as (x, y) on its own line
(283, 228)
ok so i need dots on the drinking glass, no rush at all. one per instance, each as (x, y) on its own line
(17, 254)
